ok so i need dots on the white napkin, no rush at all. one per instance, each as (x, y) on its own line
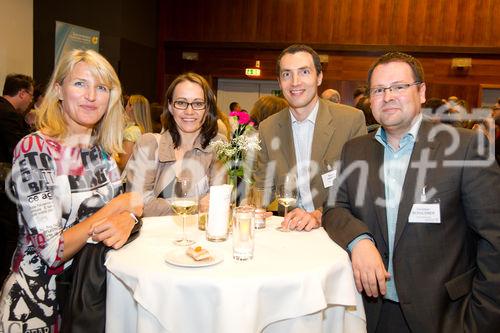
(218, 210)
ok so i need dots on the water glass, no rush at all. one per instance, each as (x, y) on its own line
(260, 199)
(243, 232)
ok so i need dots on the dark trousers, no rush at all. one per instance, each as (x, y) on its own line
(391, 319)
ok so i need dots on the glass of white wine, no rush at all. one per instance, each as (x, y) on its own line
(287, 195)
(184, 201)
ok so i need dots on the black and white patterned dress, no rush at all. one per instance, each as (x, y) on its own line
(55, 187)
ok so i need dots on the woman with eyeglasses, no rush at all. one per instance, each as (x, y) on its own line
(182, 150)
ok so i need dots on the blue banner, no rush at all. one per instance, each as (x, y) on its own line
(70, 37)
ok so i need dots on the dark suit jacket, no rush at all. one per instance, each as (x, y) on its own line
(335, 125)
(447, 275)
(14, 128)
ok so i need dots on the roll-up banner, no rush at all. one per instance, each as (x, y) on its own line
(69, 37)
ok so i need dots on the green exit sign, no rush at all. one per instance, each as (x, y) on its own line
(252, 71)
(277, 92)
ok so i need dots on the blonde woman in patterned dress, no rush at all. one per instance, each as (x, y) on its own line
(66, 187)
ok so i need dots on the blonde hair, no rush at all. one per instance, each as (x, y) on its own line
(141, 113)
(108, 131)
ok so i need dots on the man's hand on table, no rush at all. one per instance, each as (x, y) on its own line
(300, 220)
(369, 270)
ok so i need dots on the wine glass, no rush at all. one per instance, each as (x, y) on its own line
(184, 202)
(287, 195)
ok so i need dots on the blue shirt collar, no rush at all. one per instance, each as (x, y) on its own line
(381, 135)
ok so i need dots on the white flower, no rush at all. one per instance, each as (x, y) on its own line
(238, 147)
(253, 142)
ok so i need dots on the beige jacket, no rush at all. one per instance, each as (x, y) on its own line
(335, 125)
(152, 168)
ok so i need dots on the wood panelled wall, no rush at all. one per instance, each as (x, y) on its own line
(230, 35)
(344, 71)
(344, 22)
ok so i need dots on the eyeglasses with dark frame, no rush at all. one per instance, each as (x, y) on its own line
(396, 89)
(195, 105)
(29, 92)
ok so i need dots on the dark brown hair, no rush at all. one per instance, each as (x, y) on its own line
(416, 66)
(292, 49)
(364, 105)
(16, 82)
(209, 127)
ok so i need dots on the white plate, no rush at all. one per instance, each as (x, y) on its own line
(178, 257)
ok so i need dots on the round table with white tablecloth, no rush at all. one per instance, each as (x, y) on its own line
(297, 282)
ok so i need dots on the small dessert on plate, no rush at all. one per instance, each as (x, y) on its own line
(194, 256)
(198, 253)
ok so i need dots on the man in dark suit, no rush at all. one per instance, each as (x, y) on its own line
(417, 208)
(304, 140)
(17, 96)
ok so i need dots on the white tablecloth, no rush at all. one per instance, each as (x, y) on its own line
(297, 282)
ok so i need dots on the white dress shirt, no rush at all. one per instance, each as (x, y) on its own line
(303, 132)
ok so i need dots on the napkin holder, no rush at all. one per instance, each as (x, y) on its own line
(219, 213)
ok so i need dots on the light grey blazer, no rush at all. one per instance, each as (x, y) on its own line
(152, 168)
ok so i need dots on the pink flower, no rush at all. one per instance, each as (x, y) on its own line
(243, 118)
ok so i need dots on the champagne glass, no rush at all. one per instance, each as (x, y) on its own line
(184, 202)
(287, 195)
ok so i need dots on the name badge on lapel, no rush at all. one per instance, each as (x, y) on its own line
(426, 211)
(328, 178)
